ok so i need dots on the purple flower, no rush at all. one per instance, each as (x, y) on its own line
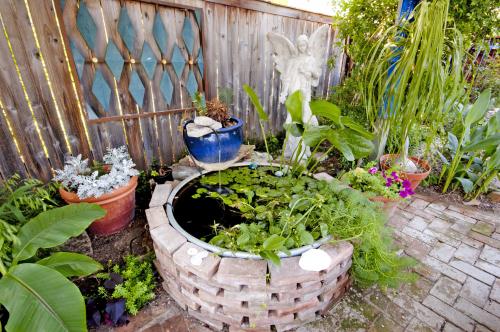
(395, 176)
(389, 182)
(406, 184)
(409, 191)
(403, 194)
(373, 170)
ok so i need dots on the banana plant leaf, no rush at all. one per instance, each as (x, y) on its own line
(54, 227)
(39, 298)
(71, 264)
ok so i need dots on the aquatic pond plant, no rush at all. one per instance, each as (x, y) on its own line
(287, 212)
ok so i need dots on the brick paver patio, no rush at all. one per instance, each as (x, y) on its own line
(459, 285)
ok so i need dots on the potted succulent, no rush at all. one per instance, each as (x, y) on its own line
(380, 186)
(406, 83)
(213, 136)
(112, 188)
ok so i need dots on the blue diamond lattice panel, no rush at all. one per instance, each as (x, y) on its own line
(133, 60)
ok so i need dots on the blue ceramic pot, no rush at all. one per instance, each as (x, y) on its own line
(206, 148)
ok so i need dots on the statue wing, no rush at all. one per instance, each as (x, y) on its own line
(283, 49)
(318, 43)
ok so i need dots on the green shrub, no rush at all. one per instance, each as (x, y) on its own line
(137, 283)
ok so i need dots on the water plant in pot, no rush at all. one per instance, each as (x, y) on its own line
(112, 187)
(386, 187)
(213, 136)
(408, 83)
(275, 211)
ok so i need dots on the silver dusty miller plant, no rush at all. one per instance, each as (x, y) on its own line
(77, 176)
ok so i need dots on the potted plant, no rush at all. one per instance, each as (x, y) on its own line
(406, 83)
(379, 186)
(112, 188)
(213, 136)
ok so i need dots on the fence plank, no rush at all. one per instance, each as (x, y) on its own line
(43, 16)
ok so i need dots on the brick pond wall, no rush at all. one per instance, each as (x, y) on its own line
(244, 294)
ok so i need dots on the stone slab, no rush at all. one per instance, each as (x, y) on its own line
(160, 194)
(239, 271)
(449, 313)
(475, 291)
(446, 290)
(207, 268)
(156, 217)
(290, 273)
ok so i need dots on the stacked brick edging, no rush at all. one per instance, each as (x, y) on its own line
(245, 294)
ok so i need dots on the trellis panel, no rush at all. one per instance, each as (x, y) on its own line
(159, 47)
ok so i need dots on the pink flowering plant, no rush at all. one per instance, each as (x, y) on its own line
(370, 179)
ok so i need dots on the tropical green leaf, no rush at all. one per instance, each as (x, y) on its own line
(340, 144)
(326, 110)
(54, 227)
(359, 145)
(294, 106)
(467, 184)
(295, 128)
(313, 135)
(256, 102)
(479, 108)
(274, 242)
(71, 264)
(483, 144)
(350, 123)
(39, 298)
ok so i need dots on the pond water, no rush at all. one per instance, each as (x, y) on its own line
(197, 216)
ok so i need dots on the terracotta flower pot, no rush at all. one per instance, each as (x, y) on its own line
(119, 205)
(414, 178)
(390, 205)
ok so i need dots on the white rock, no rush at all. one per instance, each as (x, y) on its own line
(216, 125)
(408, 165)
(202, 254)
(315, 260)
(204, 121)
(196, 260)
(194, 130)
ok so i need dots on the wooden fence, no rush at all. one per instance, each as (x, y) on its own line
(78, 76)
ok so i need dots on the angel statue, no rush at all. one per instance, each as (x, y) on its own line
(300, 69)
